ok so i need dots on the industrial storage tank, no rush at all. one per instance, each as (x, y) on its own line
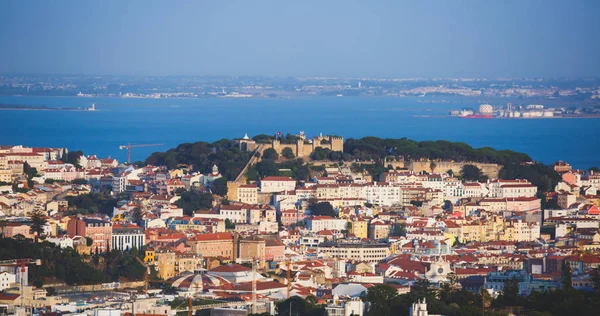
(486, 109)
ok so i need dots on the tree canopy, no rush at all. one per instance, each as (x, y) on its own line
(223, 153)
(540, 175)
(470, 173)
(322, 209)
(266, 168)
(66, 265)
(38, 222)
(287, 153)
(101, 202)
(219, 187)
(192, 201)
(374, 148)
(300, 307)
(72, 157)
(270, 154)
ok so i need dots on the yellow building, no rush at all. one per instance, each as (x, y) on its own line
(252, 248)
(165, 263)
(149, 256)
(212, 225)
(6, 175)
(188, 262)
(472, 232)
(360, 228)
(176, 173)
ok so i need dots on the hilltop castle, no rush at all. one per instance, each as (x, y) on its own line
(303, 147)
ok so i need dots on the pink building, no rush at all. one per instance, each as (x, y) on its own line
(274, 250)
(13, 229)
(289, 217)
(168, 187)
(98, 230)
(72, 173)
(523, 204)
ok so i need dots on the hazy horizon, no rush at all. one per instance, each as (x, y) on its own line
(345, 39)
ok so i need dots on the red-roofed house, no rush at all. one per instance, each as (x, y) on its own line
(274, 184)
(213, 245)
(319, 223)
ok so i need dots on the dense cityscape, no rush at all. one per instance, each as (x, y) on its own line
(337, 226)
(299, 158)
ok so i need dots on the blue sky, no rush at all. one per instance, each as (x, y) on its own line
(479, 38)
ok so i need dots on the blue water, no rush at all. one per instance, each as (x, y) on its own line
(118, 121)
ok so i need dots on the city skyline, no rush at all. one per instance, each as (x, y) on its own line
(253, 158)
(343, 39)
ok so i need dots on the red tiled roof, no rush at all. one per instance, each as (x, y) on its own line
(213, 236)
(248, 186)
(278, 178)
(231, 268)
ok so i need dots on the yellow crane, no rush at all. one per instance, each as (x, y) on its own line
(129, 146)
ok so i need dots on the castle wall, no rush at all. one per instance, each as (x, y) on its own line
(278, 146)
(398, 164)
(300, 149)
(307, 149)
(232, 190)
(489, 169)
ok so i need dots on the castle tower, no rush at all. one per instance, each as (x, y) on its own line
(300, 148)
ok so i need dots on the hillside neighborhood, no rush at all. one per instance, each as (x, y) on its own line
(294, 218)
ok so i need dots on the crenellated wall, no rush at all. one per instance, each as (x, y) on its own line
(489, 169)
(303, 149)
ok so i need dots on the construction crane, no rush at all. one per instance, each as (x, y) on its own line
(22, 263)
(146, 273)
(254, 284)
(288, 278)
(129, 146)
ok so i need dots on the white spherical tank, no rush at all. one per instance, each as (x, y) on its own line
(486, 109)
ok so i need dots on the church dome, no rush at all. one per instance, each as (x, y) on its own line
(189, 281)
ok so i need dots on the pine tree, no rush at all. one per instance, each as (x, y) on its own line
(566, 281)
(38, 222)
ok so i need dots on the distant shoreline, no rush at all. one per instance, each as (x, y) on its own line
(509, 118)
(429, 99)
(23, 107)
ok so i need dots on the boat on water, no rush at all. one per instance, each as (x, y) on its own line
(478, 116)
